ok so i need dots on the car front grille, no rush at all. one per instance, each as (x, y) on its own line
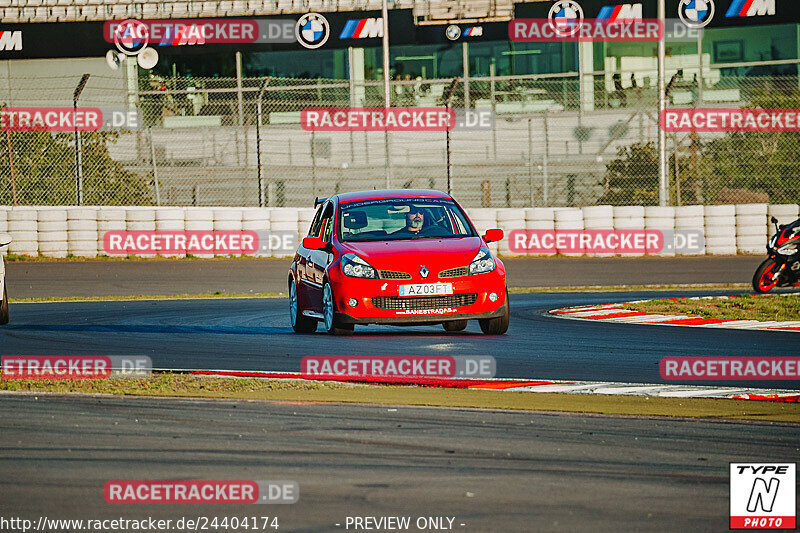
(454, 272)
(418, 303)
(392, 274)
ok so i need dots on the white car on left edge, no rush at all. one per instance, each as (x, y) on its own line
(5, 240)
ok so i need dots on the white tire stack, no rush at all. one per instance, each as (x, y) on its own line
(661, 218)
(109, 219)
(141, 220)
(540, 218)
(199, 219)
(720, 224)
(509, 220)
(228, 220)
(484, 218)
(283, 221)
(170, 219)
(751, 235)
(629, 217)
(569, 218)
(785, 213)
(82, 230)
(23, 227)
(53, 232)
(691, 217)
(256, 219)
(304, 218)
(598, 217)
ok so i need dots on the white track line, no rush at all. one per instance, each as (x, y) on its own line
(598, 312)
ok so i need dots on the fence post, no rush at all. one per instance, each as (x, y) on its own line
(545, 158)
(388, 149)
(155, 166)
(313, 164)
(78, 163)
(261, 196)
(465, 60)
(450, 91)
(492, 99)
(386, 87)
(663, 186)
(239, 86)
(530, 161)
(12, 170)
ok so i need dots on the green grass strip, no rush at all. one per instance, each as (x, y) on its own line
(189, 386)
(778, 307)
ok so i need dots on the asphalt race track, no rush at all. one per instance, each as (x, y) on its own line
(32, 279)
(489, 470)
(254, 334)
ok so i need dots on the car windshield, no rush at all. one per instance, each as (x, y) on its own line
(402, 218)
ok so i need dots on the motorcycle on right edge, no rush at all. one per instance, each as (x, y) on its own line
(782, 267)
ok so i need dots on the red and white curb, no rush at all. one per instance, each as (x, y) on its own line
(521, 385)
(620, 314)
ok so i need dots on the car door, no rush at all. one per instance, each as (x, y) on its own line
(318, 260)
(305, 275)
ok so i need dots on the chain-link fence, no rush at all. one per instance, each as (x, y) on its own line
(557, 140)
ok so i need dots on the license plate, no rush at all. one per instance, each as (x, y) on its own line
(426, 289)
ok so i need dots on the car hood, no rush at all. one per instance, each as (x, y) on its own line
(410, 255)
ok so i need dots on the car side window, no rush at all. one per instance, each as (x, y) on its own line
(327, 222)
(316, 224)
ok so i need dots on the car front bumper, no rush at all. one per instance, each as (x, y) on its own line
(410, 310)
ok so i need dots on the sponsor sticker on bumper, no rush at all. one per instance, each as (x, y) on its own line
(426, 289)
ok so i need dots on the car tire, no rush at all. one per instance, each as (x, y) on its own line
(4, 306)
(496, 326)
(330, 324)
(455, 325)
(300, 322)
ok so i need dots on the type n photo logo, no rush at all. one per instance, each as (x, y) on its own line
(763, 496)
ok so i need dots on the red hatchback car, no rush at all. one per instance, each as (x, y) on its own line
(400, 257)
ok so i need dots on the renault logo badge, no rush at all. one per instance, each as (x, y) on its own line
(423, 271)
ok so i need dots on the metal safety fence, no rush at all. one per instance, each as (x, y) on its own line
(554, 140)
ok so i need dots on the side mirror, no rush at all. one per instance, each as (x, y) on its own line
(773, 220)
(493, 235)
(5, 239)
(314, 243)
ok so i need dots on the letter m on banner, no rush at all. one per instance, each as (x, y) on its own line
(761, 7)
(372, 28)
(763, 495)
(630, 12)
(11, 40)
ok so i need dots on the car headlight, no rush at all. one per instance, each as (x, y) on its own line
(772, 241)
(788, 249)
(483, 262)
(355, 267)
